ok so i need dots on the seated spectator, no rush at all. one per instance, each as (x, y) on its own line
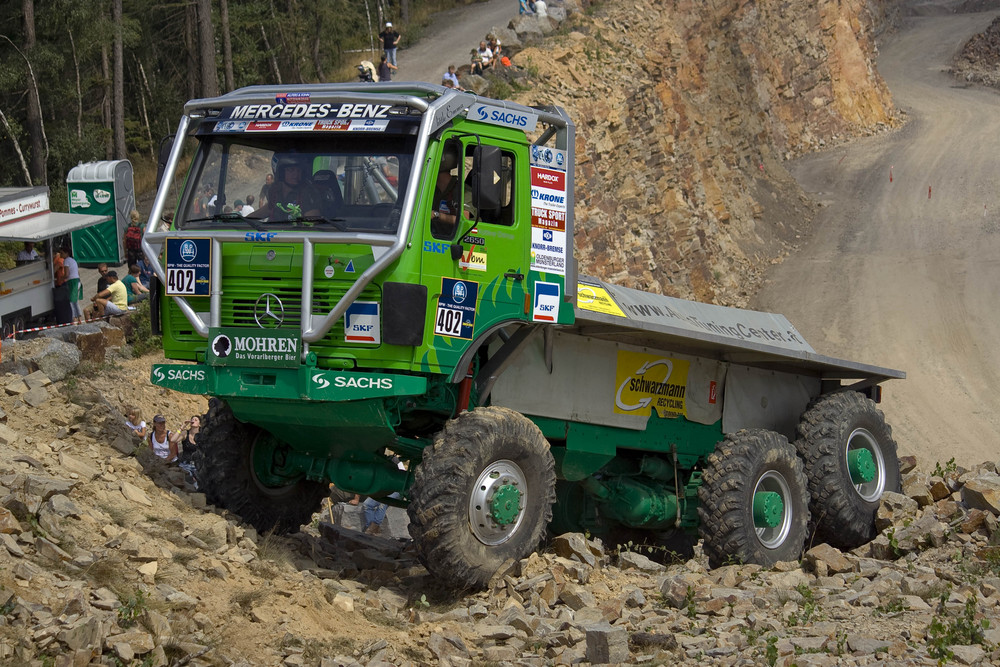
(135, 291)
(485, 55)
(247, 206)
(237, 206)
(451, 76)
(133, 421)
(29, 254)
(494, 44)
(163, 442)
(113, 300)
(540, 8)
(385, 69)
(525, 7)
(102, 282)
(145, 271)
(476, 63)
(188, 447)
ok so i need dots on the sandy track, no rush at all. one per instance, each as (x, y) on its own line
(893, 277)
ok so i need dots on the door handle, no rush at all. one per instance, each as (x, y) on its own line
(514, 275)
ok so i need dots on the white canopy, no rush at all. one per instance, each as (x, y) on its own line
(48, 225)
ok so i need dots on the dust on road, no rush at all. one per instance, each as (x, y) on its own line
(905, 272)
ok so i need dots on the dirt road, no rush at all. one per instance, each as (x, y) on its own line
(906, 272)
(449, 38)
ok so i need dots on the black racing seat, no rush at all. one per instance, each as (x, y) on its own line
(331, 198)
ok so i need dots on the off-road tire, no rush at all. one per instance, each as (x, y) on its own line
(441, 518)
(844, 514)
(225, 474)
(736, 467)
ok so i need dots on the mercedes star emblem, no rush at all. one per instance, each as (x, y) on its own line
(269, 312)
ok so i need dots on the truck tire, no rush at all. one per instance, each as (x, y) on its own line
(754, 503)
(832, 432)
(482, 494)
(226, 475)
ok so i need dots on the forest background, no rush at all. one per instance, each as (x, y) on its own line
(106, 80)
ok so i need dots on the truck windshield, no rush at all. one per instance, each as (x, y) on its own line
(344, 183)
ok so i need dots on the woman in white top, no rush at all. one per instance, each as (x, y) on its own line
(163, 442)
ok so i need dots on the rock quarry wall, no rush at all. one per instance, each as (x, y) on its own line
(686, 111)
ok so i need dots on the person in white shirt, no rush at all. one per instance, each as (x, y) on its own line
(29, 254)
(485, 55)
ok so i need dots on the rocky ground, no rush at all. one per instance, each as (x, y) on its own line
(109, 557)
(979, 60)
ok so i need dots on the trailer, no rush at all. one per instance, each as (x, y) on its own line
(26, 280)
(408, 288)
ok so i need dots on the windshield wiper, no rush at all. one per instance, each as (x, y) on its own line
(311, 220)
(226, 217)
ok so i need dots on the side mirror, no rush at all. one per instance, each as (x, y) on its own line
(166, 145)
(487, 183)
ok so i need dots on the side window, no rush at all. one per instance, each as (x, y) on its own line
(505, 214)
(447, 192)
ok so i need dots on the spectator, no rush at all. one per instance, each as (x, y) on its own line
(540, 10)
(102, 282)
(524, 7)
(29, 254)
(494, 44)
(133, 420)
(262, 199)
(145, 271)
(188, 447)
(390, 40)
(59, 270)
(385, 69)
(374, 511)
(485, 55)
(238, 206)
(73, 282)
(135, 291)
(247, 207)
(163, 442)
(133, 239)
(113, 300)
(476, 63)
(450, 75)
(213, 197)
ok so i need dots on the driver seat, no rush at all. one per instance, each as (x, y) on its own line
(331, 198)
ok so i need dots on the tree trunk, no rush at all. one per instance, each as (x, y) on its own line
(206, 50)
(317, 60)
(227, 46)
(190, 40)
(34, 117)
(404, 12)
(17, 148)
(79, 92)
(118, 95)
(274, 61)
(106, 102)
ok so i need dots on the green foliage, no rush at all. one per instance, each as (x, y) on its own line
(807, 607)
(692, 608)
(143, 341)
(132, 607)
(771, 651)
(963, 630)
(893, 605)
(949, 467)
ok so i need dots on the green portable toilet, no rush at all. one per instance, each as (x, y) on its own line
(101, 188)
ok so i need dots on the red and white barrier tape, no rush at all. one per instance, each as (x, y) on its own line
(57, 326)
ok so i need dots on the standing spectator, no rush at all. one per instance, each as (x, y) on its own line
(113, 300)
(73, 282)
(163, 442)
(390, 40)
(58, 270)
(263, 199)
(451, 76)
(133, 239)
(385, 69)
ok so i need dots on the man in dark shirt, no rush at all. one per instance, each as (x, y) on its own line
(291, 196)
(390, 40)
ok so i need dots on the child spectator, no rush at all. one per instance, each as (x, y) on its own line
(133, 239)
(133, 421)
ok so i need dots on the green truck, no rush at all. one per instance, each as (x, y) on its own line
(403, 287)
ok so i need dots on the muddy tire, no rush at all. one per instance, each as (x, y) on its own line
(226, 475)
(832, 433)
(482, 494)
(754, 503)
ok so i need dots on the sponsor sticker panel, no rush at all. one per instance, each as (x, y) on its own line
(274, 348)
(597, 299)
(188, 267)
(646, 382)
(361, 323)
(546, 302)
(456, 308)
